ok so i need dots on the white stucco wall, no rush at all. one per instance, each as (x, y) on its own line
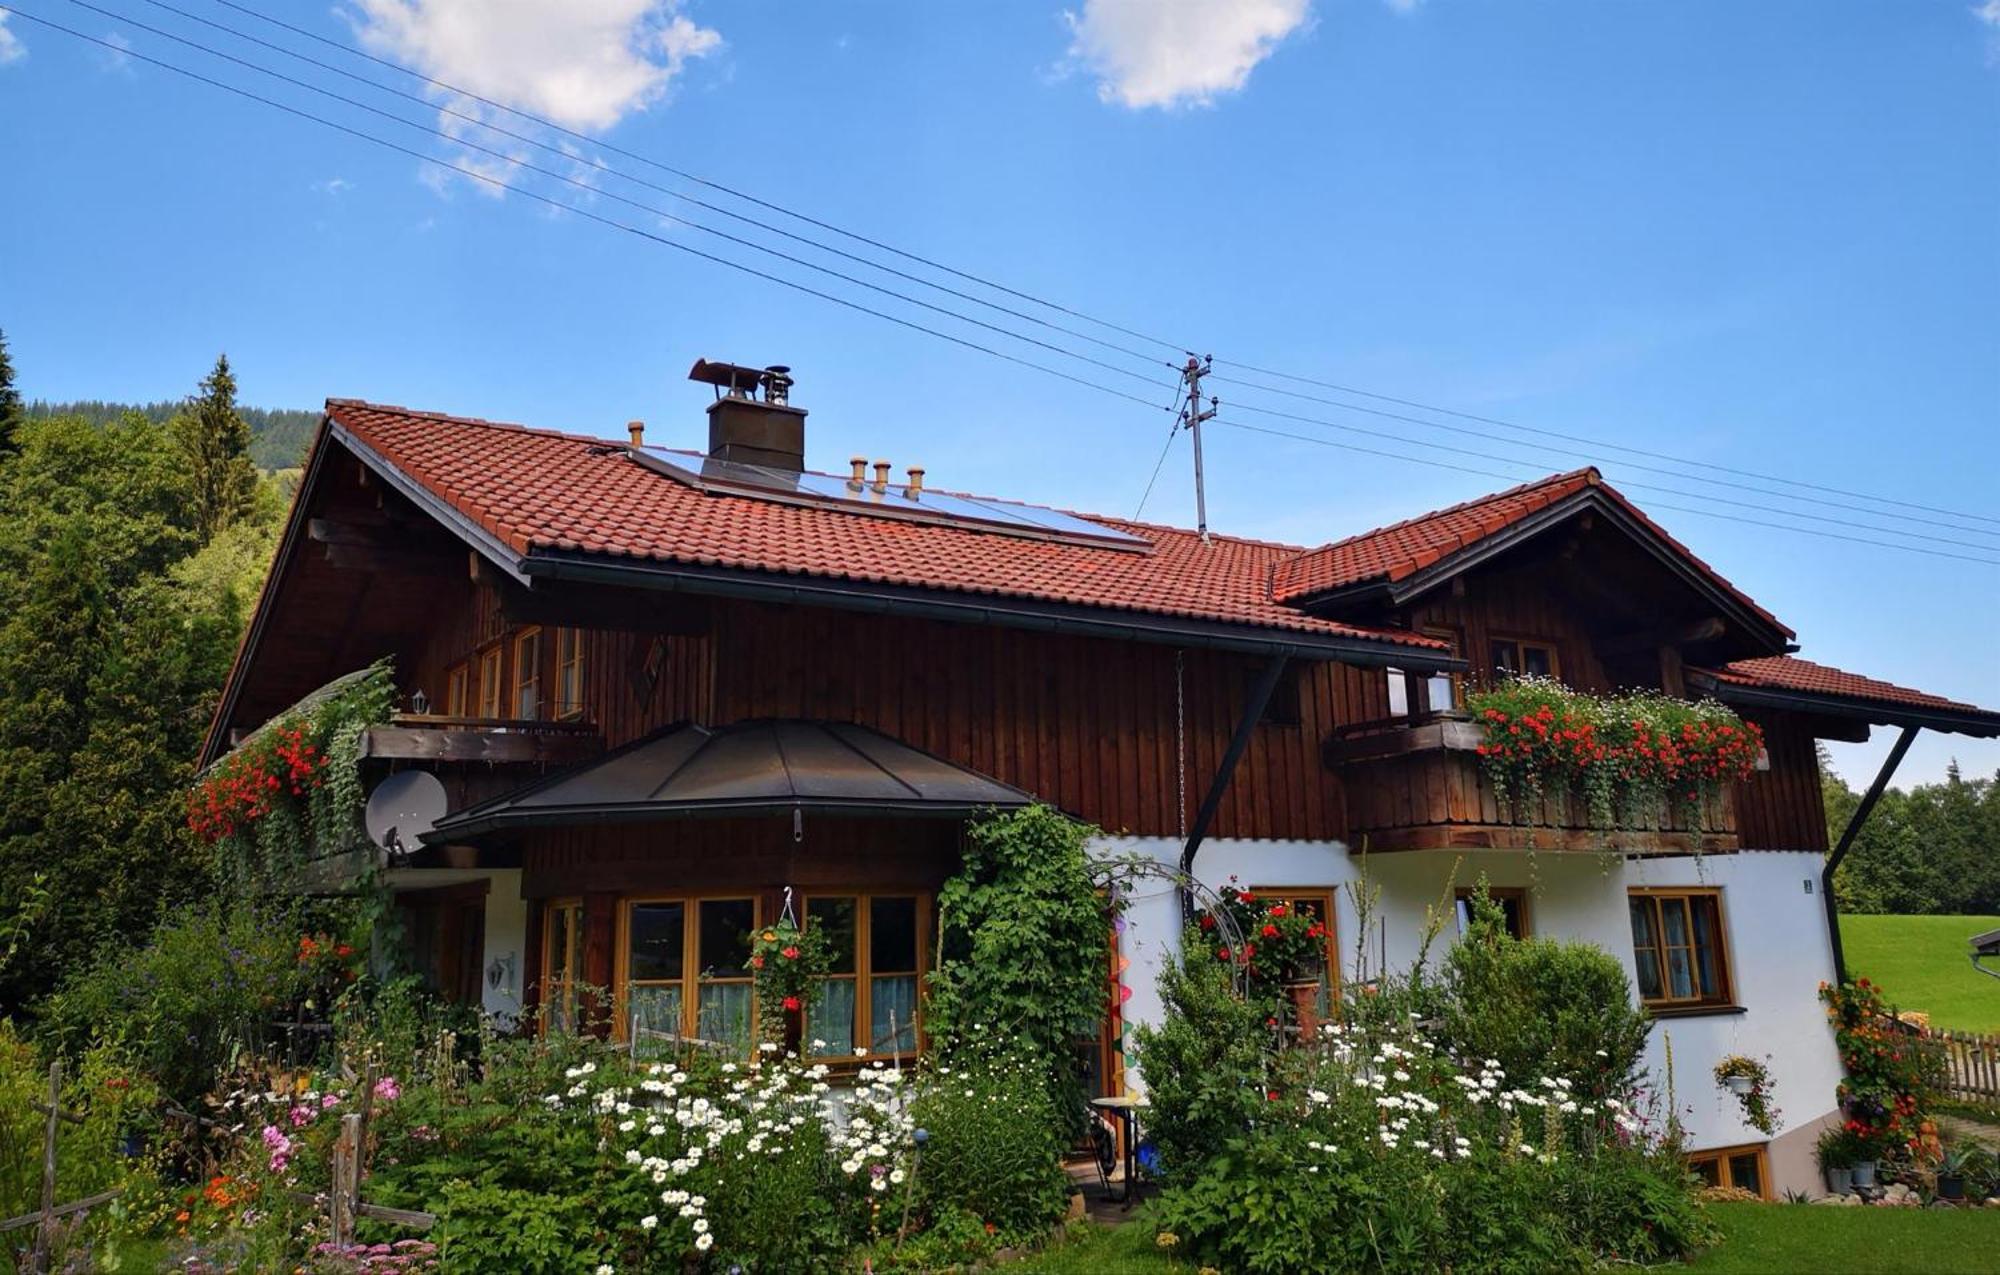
(504, 960)
(1776, 934)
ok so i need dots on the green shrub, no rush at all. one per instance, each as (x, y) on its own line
(1024, 933)
(994, 1146)
(1204, 1064)
(1541, 1007)
(201, 992)
(1380, 1152)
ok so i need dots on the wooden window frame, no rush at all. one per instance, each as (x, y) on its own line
(1723, 1155)
(863, 1002)
(492, 655)
(527, 673)
(1518, 893)
(561, 993)
(690, 981)
(1327, 897)
(1453, 634)
(458, 690)
(569, 669)
(1725, 965)
(1521, 644)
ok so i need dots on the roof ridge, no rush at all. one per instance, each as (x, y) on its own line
(1589, 474)
(596, 440)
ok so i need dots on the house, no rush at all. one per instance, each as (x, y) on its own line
(671, 693)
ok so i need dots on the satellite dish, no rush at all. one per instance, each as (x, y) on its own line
(403, 808)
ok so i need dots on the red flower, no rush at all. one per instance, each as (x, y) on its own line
(791, 1002)
(790, 954)
(1270, 931)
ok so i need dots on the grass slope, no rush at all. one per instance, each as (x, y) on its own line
(1920, 961)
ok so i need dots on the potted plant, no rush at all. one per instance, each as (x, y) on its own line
(1750, 1081)
(1284, 950)
(1959, 1160)
(1866, 1151)
(1836, 1152)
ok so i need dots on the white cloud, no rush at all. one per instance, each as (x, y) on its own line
(118, 57)
(585, 64)
(333, 186)
(1178, 52)
(1410, 6)
(1989, 13)
(11, 48)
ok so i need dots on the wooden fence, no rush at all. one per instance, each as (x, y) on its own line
(1972, 1064)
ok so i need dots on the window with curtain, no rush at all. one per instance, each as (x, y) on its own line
(562, 963)
(569, 673)
(1741, 1167)
(1512, 901)
(869, 999)
(1523, 657)
(683, 972)
(528, 675)
(1679, 955)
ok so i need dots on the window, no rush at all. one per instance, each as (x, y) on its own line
(870, 997)
(528, 675)
(1741, 1167)
(1442, 689)
(458, 690)
(562, 963)
(491, 685)
(1678, 951)
(1519, 657)
(569, 673)
(685, 973)
(1513, 903)
(1317, 904)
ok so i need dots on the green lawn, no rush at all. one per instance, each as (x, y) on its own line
(1920, 961)
(1768, 1239)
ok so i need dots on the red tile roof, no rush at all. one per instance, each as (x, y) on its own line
(538, 490)
(1401, 550)
(1790, 673)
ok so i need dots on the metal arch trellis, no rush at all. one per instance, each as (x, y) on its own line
(1114, 875)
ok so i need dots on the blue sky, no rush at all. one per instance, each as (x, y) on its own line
(1758, 236)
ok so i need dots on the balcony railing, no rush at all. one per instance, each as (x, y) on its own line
(1419, 785)
(437, 738)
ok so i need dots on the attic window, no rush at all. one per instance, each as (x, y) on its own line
(1283, 708)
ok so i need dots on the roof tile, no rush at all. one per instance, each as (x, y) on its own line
(1790, 673)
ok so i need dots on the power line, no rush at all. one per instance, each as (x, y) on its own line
(1578, 438)
(586, 186)
(1516, 478)
(699, 180)
(1634, 465)
(599, 165)
(601, 219)
(1165, 447)
(1040, 301)
(1635, 484)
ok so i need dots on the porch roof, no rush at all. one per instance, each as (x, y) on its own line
(751, 768)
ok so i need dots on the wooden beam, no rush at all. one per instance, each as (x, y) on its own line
(348, 557)
(1706, 629)
(610, 610)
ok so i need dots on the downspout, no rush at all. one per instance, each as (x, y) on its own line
(1253, 712)
(1860, 816)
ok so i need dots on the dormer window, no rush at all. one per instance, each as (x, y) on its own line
(1523, 657)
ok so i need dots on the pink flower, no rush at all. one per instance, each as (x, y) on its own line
(387, 1089)
(300, 1116)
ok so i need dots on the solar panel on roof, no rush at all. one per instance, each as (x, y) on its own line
(829, 491)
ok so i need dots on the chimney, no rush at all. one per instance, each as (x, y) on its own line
(638, 431)
(881, 476)
(916, 487)
(860, 478)
(752, 420)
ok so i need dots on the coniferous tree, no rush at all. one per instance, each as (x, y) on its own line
(12, 410)
(214, 440)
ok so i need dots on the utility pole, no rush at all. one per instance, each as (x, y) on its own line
(1191, 418)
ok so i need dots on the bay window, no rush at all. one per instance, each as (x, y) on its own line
(868, 999)
(683, 970)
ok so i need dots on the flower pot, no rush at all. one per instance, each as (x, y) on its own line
(1951, 1186)
(1839, 1181)
(1304, 995)
(1864, 1173)
(1740, 1085)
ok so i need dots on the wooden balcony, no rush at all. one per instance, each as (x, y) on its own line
(1420, 786)
(435, 738)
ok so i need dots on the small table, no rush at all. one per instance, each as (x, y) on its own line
(1127, 1110)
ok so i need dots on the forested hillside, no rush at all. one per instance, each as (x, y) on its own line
(278, 436)
(131, 550)
(1929, 848)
